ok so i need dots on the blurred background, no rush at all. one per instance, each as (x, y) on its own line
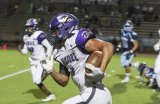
(104, 17)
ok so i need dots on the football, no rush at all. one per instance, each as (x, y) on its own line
(95, 58)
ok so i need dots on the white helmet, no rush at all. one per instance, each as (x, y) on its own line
(128, 26)
(31, 25)
(31, 22)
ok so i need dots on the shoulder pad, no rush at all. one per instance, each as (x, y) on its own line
(36, 33)
(83, 36)
(134, 33)
(40, 35)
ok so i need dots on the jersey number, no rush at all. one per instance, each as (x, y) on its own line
(31, 49)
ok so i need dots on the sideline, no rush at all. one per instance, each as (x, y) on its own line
(13, 74)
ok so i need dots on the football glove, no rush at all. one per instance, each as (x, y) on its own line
(48, 64)
(118, 48)
(156, 47)
(96, 75)
(94, 71)
(128, 55)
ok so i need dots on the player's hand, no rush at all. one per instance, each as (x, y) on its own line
(20, 47)
(94, 71)
(118, 48)
(128, 55)
(95, 74)
(48, 64)
(156, 47)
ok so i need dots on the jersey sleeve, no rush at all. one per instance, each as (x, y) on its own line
(134, 36)
(83, 36)
(24, 38)
(41, 37)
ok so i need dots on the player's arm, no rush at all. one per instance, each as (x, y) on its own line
(62, 78)
(135, 46)
(48, 47)
(23, 50)
(42, 40)
(157, 46)
(134, 40)
(105, 47)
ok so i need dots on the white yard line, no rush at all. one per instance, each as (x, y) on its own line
(13, 74)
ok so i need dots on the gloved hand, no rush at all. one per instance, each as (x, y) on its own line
(156, 47)
(94, 71)
(48, 64)
(128, 55)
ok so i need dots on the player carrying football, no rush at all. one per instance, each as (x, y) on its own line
(73, 49)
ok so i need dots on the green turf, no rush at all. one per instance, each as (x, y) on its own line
(19, 89)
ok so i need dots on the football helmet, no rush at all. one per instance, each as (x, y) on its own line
(62, 25)
(31, 25)
(128, 26)
(141, 67)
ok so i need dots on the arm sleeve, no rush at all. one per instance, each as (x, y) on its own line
(24, 50)
(48, 47)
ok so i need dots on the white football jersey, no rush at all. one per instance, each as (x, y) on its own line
(73, 55)
(34, 45)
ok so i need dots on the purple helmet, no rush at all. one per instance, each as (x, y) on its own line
(63, 24)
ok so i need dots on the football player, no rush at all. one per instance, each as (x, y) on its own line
(74, 46)
(157, 63)
(147, 72)
(129, 45)
(36, 43)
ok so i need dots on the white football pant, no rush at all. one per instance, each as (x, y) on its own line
(91, 96)
(157, 69)
(37, 71)
(124, 61)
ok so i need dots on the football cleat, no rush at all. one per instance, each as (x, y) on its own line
(125, 80)
(49, 98)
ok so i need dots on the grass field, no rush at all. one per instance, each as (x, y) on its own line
(19, 89)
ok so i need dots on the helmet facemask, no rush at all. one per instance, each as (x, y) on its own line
(128, 26)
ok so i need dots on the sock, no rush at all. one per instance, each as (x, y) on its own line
(49, 93)
(127, 75)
